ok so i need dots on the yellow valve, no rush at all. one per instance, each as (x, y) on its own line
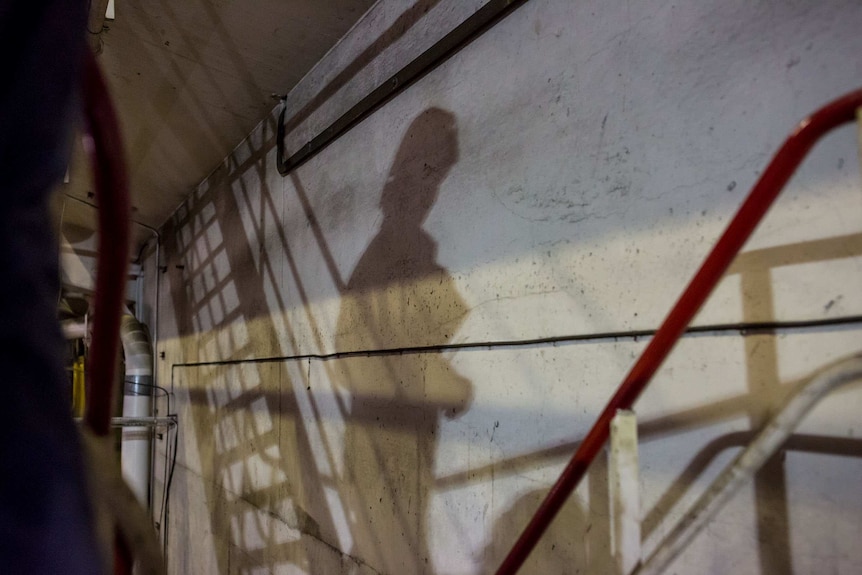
(78, 388)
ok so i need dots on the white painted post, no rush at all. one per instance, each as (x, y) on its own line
(625, 492)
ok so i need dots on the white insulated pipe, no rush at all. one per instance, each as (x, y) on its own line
(74, 329)
(138, 403)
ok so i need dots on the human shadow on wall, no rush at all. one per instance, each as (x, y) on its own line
(400, 296)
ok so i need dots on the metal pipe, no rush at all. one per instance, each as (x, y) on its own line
(761, 197)
(156, 311)
(74, 329)
(137, 403)
(138, 355)
(155, 337)
(141, 421)
(158, 237)
(747, 463)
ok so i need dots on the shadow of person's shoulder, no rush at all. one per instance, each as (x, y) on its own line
(562, 549)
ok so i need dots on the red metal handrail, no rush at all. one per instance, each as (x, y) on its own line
(767, 188)
(111, 185)
(112, 193)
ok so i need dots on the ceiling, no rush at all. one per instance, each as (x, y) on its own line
(190, 80)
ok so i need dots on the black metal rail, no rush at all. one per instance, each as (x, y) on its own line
(480, 22)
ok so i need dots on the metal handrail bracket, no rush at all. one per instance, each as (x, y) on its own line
(752, 458)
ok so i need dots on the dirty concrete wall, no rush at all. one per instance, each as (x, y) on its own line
(350, 346)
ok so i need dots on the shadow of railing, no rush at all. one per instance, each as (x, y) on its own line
(260, 431)
(221, 280)
(220, 292)
(754, 269)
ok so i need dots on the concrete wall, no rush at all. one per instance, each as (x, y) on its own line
(562, 176)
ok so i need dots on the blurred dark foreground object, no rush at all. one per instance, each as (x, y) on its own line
(46, 524)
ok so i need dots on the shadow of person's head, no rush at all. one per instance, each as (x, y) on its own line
(427, 152)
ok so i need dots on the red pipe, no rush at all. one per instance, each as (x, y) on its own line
(111, 186)
(112, 194)
(767, 188)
